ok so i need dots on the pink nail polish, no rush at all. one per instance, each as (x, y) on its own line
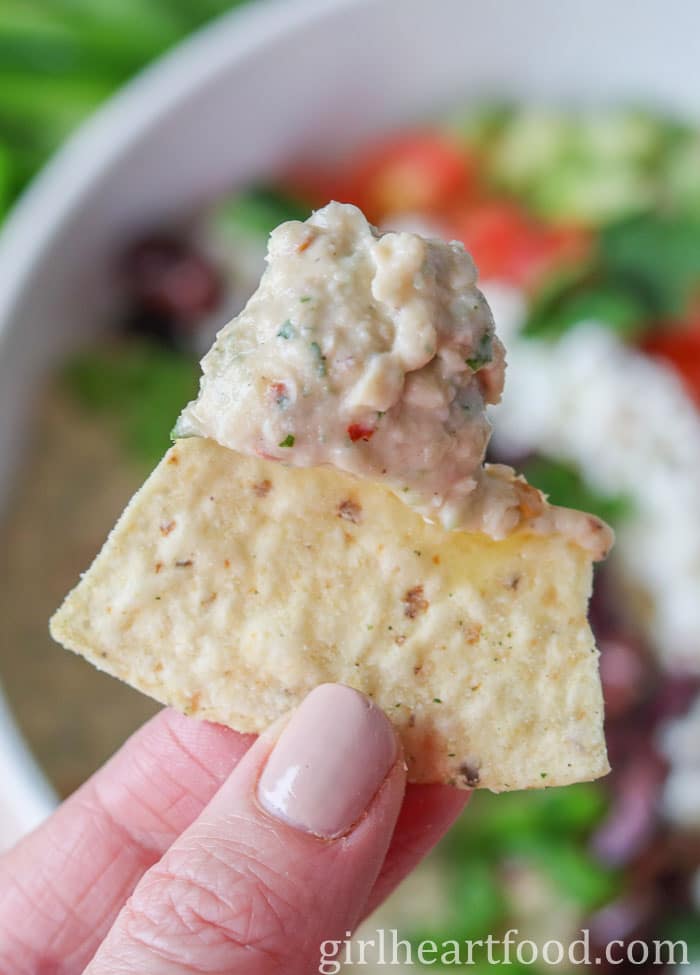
(329, 762)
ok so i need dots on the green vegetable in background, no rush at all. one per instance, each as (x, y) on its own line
(588, 192)
(530, 146)
(493, 821)
(570, 300)
(606, 169)
(681, 174)
(60, 58)
(476, 904)
(661, 253)
(527, 825)
(256, 212)
(5, 179)
(479, 128)
(575, 873)
(565, 486)
(685, 927)
(140, 387)
(545, 831)
(566, 166)
(646, 270)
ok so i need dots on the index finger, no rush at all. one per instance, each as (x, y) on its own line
(62, 886)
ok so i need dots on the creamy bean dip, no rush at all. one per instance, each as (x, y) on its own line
(376, 354)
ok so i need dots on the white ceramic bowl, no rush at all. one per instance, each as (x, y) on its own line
(264, 85)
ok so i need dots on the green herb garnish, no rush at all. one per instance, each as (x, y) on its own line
(288, 441)
(287, 331)
(320, 359)
(483, 353)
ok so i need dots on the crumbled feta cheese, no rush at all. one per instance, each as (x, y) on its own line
(678, 741)
(626, 421)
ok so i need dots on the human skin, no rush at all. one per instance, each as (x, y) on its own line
(197, 849)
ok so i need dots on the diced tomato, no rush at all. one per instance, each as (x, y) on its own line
(360, 431)
(279, 394)
(678, 345)
(420, 171)
(510, 245)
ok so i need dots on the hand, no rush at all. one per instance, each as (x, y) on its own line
(197, 849)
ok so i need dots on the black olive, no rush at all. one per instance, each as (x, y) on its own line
(168, 276)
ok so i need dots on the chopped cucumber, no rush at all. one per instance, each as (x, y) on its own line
(531, 146)
(581, 191)
(681, 175)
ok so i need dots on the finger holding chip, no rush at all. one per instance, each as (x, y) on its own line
(95, 849)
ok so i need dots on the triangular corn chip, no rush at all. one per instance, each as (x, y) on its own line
(233, 585)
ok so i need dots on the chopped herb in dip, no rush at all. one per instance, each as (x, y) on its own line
(287, 331)
(320, 359)
(483, 354)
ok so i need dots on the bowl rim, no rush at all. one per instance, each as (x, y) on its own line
(28, 794)
(38, 216)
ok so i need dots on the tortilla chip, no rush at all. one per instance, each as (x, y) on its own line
(231, 586)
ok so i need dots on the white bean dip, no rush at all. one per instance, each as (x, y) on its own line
(375, 354)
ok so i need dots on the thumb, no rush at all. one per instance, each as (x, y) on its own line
(282, 859)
